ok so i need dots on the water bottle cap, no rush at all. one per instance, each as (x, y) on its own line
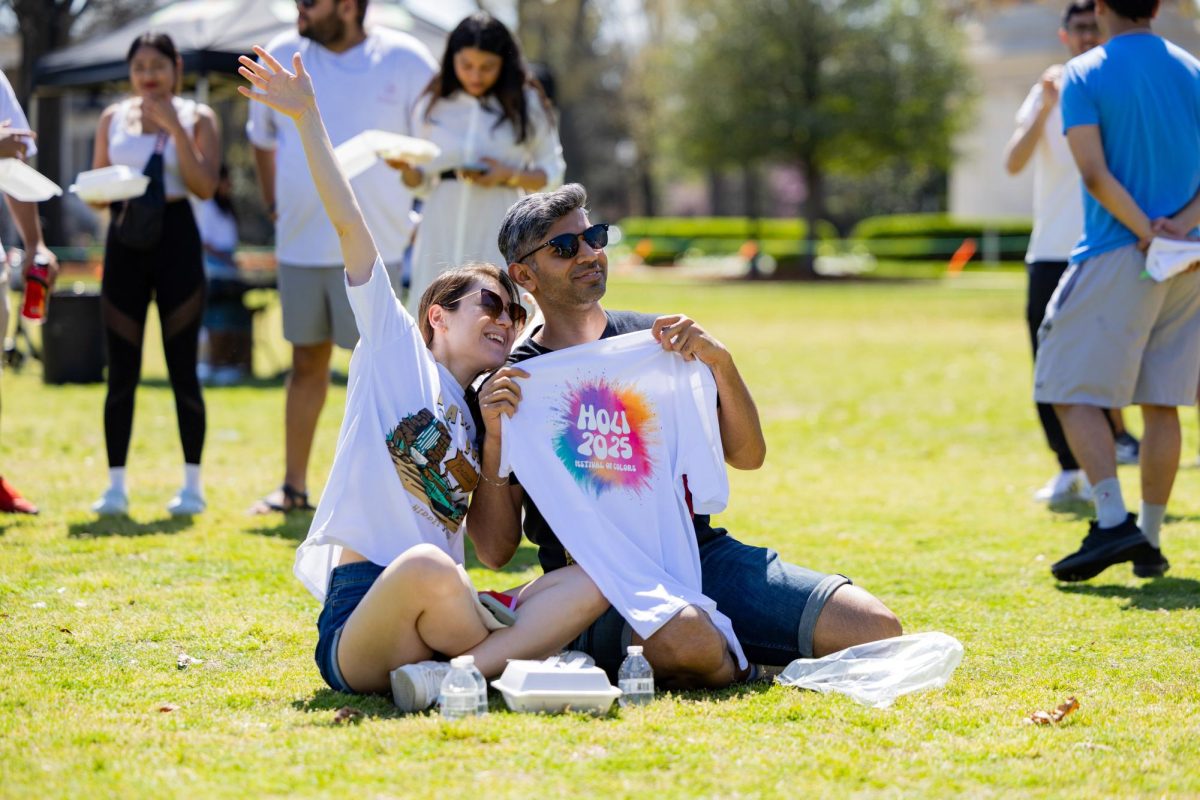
(634, 650)
(462, 661)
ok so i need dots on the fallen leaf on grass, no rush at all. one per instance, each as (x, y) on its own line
(67, 631)
(1056, 716)
(184, 661)
(167, 708)
(346, 714)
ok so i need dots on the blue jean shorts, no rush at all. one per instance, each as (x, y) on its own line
(773, 605)
(348, 584)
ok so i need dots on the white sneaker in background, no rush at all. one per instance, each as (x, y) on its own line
(1065, 487)
(112, 503)
(186, 504)
(415, 687)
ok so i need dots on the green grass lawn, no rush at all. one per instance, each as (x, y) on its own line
(903, 450)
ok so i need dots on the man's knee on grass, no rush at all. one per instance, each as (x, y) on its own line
(688, 646)
(852, 616)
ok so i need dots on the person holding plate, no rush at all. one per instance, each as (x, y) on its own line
(498, 140)
(166, 263)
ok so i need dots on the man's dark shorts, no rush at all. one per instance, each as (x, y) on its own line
(773, 605)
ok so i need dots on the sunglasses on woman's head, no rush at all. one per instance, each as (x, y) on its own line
(493, 305)
(566, 245)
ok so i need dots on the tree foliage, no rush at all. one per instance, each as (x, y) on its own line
(844, 87)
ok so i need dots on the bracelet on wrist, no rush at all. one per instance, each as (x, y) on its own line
(492, 481)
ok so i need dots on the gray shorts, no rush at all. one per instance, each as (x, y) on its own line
(1112, 337)
(315, 306)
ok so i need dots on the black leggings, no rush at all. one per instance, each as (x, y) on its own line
(173, 272)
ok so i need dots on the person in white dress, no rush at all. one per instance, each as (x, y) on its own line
(498, 140)
(385, 550)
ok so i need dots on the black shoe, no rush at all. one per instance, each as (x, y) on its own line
(1151, 566)
(1102, 548)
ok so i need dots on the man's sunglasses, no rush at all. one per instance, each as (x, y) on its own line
(493, 305)
(306, 3)
(566, 245)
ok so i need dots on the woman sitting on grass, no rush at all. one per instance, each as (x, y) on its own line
(385, 548)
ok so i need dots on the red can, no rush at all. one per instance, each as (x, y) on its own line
(37, 290)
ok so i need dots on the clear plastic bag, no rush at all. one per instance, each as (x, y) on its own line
(876, 673)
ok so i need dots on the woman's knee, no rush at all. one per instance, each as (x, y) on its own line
(584, 594)
(426, 568)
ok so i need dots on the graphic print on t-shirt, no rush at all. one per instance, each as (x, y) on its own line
(418, 447)
(604, 435)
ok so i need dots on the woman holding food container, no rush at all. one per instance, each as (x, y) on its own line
(498, 140)
(153, 249)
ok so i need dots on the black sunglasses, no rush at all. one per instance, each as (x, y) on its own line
(566, 245)
(306, 3)
(493, 305)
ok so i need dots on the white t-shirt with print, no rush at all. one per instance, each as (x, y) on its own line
(603, 440)
(1057, 190)
(406, 462)
(373, 85)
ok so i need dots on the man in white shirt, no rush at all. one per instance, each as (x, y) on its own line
(17, 141)
(364, 81)
(780, 612)
(1058, 218)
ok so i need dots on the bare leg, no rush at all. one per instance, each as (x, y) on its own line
(1161, 446)
(420, 604)
(424, 603)
(306, 390)
(852, 616)
(551, 611)
(689, 653)
(1091, 440)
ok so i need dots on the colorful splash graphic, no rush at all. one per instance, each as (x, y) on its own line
(604, 436)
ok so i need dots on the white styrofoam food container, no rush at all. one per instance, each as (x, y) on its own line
(22, 182)
(110, 184)
(538, 686)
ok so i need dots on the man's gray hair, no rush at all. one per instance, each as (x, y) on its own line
(527, 220)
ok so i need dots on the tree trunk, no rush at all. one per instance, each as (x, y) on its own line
(805, 267)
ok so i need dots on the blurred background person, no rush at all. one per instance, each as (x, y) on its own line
(171, 271)
(498, 138)
(364, 80)
(1057, 219)
(226, 339)
(17, 141)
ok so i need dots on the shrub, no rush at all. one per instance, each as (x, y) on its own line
(661, 240)
(934, 236)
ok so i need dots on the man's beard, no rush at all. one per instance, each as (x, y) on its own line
(330, 29)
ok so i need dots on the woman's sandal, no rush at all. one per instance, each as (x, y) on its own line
(283, 500)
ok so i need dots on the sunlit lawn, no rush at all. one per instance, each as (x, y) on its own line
(903, 453)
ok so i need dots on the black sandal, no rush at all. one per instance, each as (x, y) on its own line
(293, 500)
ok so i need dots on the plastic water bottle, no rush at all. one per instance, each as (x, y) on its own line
(635, 679)
(459, 695)
(480, 687)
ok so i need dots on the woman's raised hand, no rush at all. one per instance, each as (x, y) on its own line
(290, 94)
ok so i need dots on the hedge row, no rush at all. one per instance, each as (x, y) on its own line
(660, 240)
(899, 236)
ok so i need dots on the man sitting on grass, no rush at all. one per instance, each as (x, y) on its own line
(780, 612)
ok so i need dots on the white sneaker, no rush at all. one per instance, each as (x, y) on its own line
(186, 504)
(1067, 486)
(112, 503)
(415, 687)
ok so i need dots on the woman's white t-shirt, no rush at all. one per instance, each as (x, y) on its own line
(406, 460)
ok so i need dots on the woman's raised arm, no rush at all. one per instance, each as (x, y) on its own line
(292, 95)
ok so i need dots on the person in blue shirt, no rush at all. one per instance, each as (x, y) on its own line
(1113, 336)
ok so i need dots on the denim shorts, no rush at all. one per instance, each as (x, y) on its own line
(347, 586)
(773, 605)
